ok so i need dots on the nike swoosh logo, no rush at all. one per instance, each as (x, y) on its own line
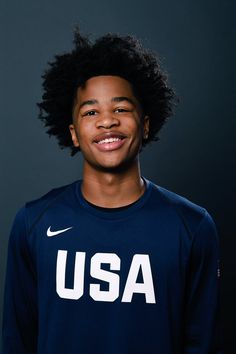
(54, 233)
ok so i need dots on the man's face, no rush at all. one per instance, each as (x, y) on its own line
(107, 124)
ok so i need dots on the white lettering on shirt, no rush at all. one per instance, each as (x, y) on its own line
(140, 262)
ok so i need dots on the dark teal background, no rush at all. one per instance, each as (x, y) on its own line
(196, 154)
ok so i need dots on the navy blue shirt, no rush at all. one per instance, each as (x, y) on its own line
(141, 279)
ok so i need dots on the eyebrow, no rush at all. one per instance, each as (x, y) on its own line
(88, 102)
(114, 99)
(123, 98)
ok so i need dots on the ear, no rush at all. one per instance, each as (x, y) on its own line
(73, 135)
(146, 121)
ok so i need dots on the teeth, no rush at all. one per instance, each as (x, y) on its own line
(110, 140)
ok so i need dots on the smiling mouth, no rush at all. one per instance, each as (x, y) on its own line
(109, 142)
(108, 137)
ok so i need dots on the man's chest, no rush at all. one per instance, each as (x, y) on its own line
(109, 261)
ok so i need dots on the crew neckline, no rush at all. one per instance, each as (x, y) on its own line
(117, 214)
(112, 210)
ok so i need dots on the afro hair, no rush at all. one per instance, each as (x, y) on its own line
(110, 54)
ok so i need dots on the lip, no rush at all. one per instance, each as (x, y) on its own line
(107, 135)
(115, 145)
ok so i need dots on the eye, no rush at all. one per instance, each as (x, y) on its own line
(89, 113)
(121, 110)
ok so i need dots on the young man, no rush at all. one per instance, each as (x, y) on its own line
(112, 263)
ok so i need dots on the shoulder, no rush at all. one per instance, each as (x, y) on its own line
(192, 215)
(177, 202)
(50, 196)
(34, 209)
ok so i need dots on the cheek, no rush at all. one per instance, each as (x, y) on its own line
(84, 130)
(136, 127)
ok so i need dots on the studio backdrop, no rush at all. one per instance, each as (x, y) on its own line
(195, 156)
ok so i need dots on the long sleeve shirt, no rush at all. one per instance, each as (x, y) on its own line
(85, 280)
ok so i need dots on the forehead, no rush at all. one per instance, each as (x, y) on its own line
(104, 88)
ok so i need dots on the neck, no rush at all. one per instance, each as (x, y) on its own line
(112, 189)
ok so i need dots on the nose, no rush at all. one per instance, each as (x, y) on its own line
(107, 120)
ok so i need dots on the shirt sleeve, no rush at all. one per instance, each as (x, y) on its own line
(20, 297)
(203, 334)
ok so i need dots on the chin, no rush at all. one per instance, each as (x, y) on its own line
(116, 167)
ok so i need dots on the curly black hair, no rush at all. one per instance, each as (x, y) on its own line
(110, 54)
